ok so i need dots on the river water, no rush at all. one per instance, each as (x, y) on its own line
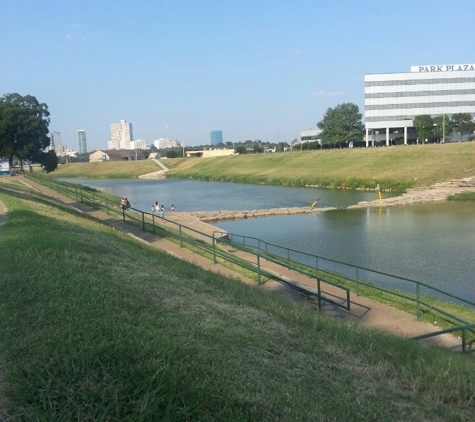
(430, 243)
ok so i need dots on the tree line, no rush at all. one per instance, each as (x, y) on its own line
(342, 124)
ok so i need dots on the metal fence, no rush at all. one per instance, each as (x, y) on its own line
(323, 270)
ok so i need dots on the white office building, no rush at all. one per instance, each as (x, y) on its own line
(120, 135)
(392, 100)
(162, 143)
(138, 144)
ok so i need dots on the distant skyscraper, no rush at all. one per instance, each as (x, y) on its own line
(216, 137)
(82, 146)
(55, 144)
(121, 135)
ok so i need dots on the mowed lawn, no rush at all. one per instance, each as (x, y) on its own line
(391, 167)
(97, 326)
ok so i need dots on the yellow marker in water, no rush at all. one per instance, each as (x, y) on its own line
(379, 194)
(314, 204)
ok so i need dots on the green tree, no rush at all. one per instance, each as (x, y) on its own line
(48, 161)
(463, 123)
(424, 126)
(240, 149)
(341, 124)
(23, 127)
(258, 149)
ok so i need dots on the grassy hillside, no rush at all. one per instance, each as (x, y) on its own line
(397, 167)
(97, 326)
(107, 170)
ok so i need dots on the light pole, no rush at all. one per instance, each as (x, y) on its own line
(443, 127)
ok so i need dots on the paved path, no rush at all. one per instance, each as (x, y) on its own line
(363, 311)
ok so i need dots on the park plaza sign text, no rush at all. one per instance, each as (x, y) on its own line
(443, 68)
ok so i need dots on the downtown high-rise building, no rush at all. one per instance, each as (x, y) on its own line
(216, 137)
(82, 145)
(120, 135)
(55, 144)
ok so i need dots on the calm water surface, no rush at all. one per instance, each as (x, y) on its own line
(433, 243)
(194, 195)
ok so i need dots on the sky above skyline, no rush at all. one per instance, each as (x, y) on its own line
(254, 69)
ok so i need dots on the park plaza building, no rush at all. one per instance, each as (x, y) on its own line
(392, 100)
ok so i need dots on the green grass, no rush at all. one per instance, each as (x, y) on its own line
(462, 197)
(395, 168)
(97, 326)
(107, 170)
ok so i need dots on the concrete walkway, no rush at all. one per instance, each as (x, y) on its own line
(363, 311)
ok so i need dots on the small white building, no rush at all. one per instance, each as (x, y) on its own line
(312, 135)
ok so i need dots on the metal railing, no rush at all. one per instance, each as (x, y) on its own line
(467, 346)
(355, 275)
(147, 222)
(323, 270)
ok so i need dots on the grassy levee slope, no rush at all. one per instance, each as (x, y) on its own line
(398, 167)
(98, 326)
(107, 170)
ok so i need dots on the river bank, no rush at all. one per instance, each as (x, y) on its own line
(438, 192)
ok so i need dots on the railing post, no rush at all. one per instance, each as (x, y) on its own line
(143, 221)
(107, 206)
(464, 339)
(357, 281)
(123, 213)
(319, 292)
(214, 249)
(181, 237)
(153, 222)
(418, 300)
(93, 199)
(258, 270)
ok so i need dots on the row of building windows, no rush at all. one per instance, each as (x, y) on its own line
(420, 105)
(421, 93)
(420, 82)
(388, 118)
(393, 118)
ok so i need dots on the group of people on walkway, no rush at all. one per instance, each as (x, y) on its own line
(159, 210)
(124, 204)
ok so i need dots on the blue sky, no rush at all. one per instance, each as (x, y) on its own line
(181, 69)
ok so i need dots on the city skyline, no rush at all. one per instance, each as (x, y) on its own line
(263, 70)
